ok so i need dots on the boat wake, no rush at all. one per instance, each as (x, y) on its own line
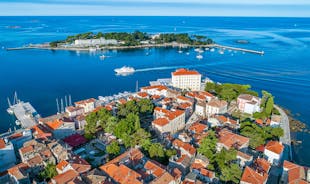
(166, 68)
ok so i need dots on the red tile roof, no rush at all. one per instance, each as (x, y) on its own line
(155, 169)
(121, 174)
(217, 103)
(252, 177)
(75, 140)
(296, 173)
(84, 102)
(2, 144)
(230, 139)
(36, 160)
(198, 128)
(161, 121)
(142, 94)
(186, 146)
(62, 164)
(26, 149)
(184, 71)
(170, 114)
(263, 164)
(19, 171)
(54, 124)
(65, 177)
(275, 147)
(157, 87)
(183, 98)
(164, 178)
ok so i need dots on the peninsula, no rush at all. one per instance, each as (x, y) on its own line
(176, 130)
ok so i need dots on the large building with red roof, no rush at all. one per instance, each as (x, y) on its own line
(293, 173)
(186, 79)
(250, 176)
(273, 151)
(168, 121)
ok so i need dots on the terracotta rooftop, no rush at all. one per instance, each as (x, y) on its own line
(84, 102)
(155, 169)
(263, 164)
(62, 164)
(142, 94)
(121, 174)
(26, 149)
(184, 71)
(198, 128)
(251, 176)
(296, 173)
(244, 155)
(275, 147)
(230, 139)
(170, 114)
(161, 121)
(186, 146)
(164, 178)
(183, 98)
(217, 103)
(157, 87)
(36, 160)
(65, 177)
(2, 144)
(19, 171)
(55, 124)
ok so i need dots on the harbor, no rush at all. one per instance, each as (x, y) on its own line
(24, 112)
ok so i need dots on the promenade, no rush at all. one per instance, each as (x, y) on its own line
(286, 138)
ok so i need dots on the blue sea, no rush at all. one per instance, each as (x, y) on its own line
(41, 76)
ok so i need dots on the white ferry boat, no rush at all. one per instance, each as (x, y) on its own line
(124, 70)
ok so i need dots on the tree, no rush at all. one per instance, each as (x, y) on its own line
(91, 123)
(210, 86)
(110, 124)
(113, 148)
(170, 152)
(269, 106)
(127, 108)
(139, 136)
(208, 146)
(145, 106)
(48, 172)
(156, 150)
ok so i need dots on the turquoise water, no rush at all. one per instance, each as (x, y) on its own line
(41, 76)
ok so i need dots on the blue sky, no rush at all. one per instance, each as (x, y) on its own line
(275, 8)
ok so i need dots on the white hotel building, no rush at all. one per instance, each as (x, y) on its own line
(186, 79)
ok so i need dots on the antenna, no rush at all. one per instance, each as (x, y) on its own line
(57, 105)
(70, 102)
(62, 105)
(66, 101)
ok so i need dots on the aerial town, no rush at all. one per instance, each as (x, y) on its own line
(182, 129)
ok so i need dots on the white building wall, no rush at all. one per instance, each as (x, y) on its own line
(192, 82)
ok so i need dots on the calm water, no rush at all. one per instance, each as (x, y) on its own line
(42, 76)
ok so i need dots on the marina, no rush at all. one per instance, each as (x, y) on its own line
(26, 115)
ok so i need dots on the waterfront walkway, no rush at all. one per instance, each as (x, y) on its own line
(286, 138)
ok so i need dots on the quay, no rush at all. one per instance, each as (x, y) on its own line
(24, 112)
(46, 47)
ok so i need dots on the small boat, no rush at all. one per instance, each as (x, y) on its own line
(180, 51)
(124, 70)
(102, 57)
(212, 50)
(199, 56)
(10, 110)
(187, 53)
(207, 48)
(221, 51)
(17, 122)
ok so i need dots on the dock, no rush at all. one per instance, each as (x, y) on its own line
(25, 114)
(239, 49)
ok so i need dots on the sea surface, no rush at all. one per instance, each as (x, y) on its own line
(41, 76)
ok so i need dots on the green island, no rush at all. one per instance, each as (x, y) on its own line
(137, 38)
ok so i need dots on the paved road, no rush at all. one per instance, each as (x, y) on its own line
(286, 138)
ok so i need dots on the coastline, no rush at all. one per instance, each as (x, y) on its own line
(47, 47)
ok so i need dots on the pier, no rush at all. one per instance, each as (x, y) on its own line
(24, 112)
(239, 49)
